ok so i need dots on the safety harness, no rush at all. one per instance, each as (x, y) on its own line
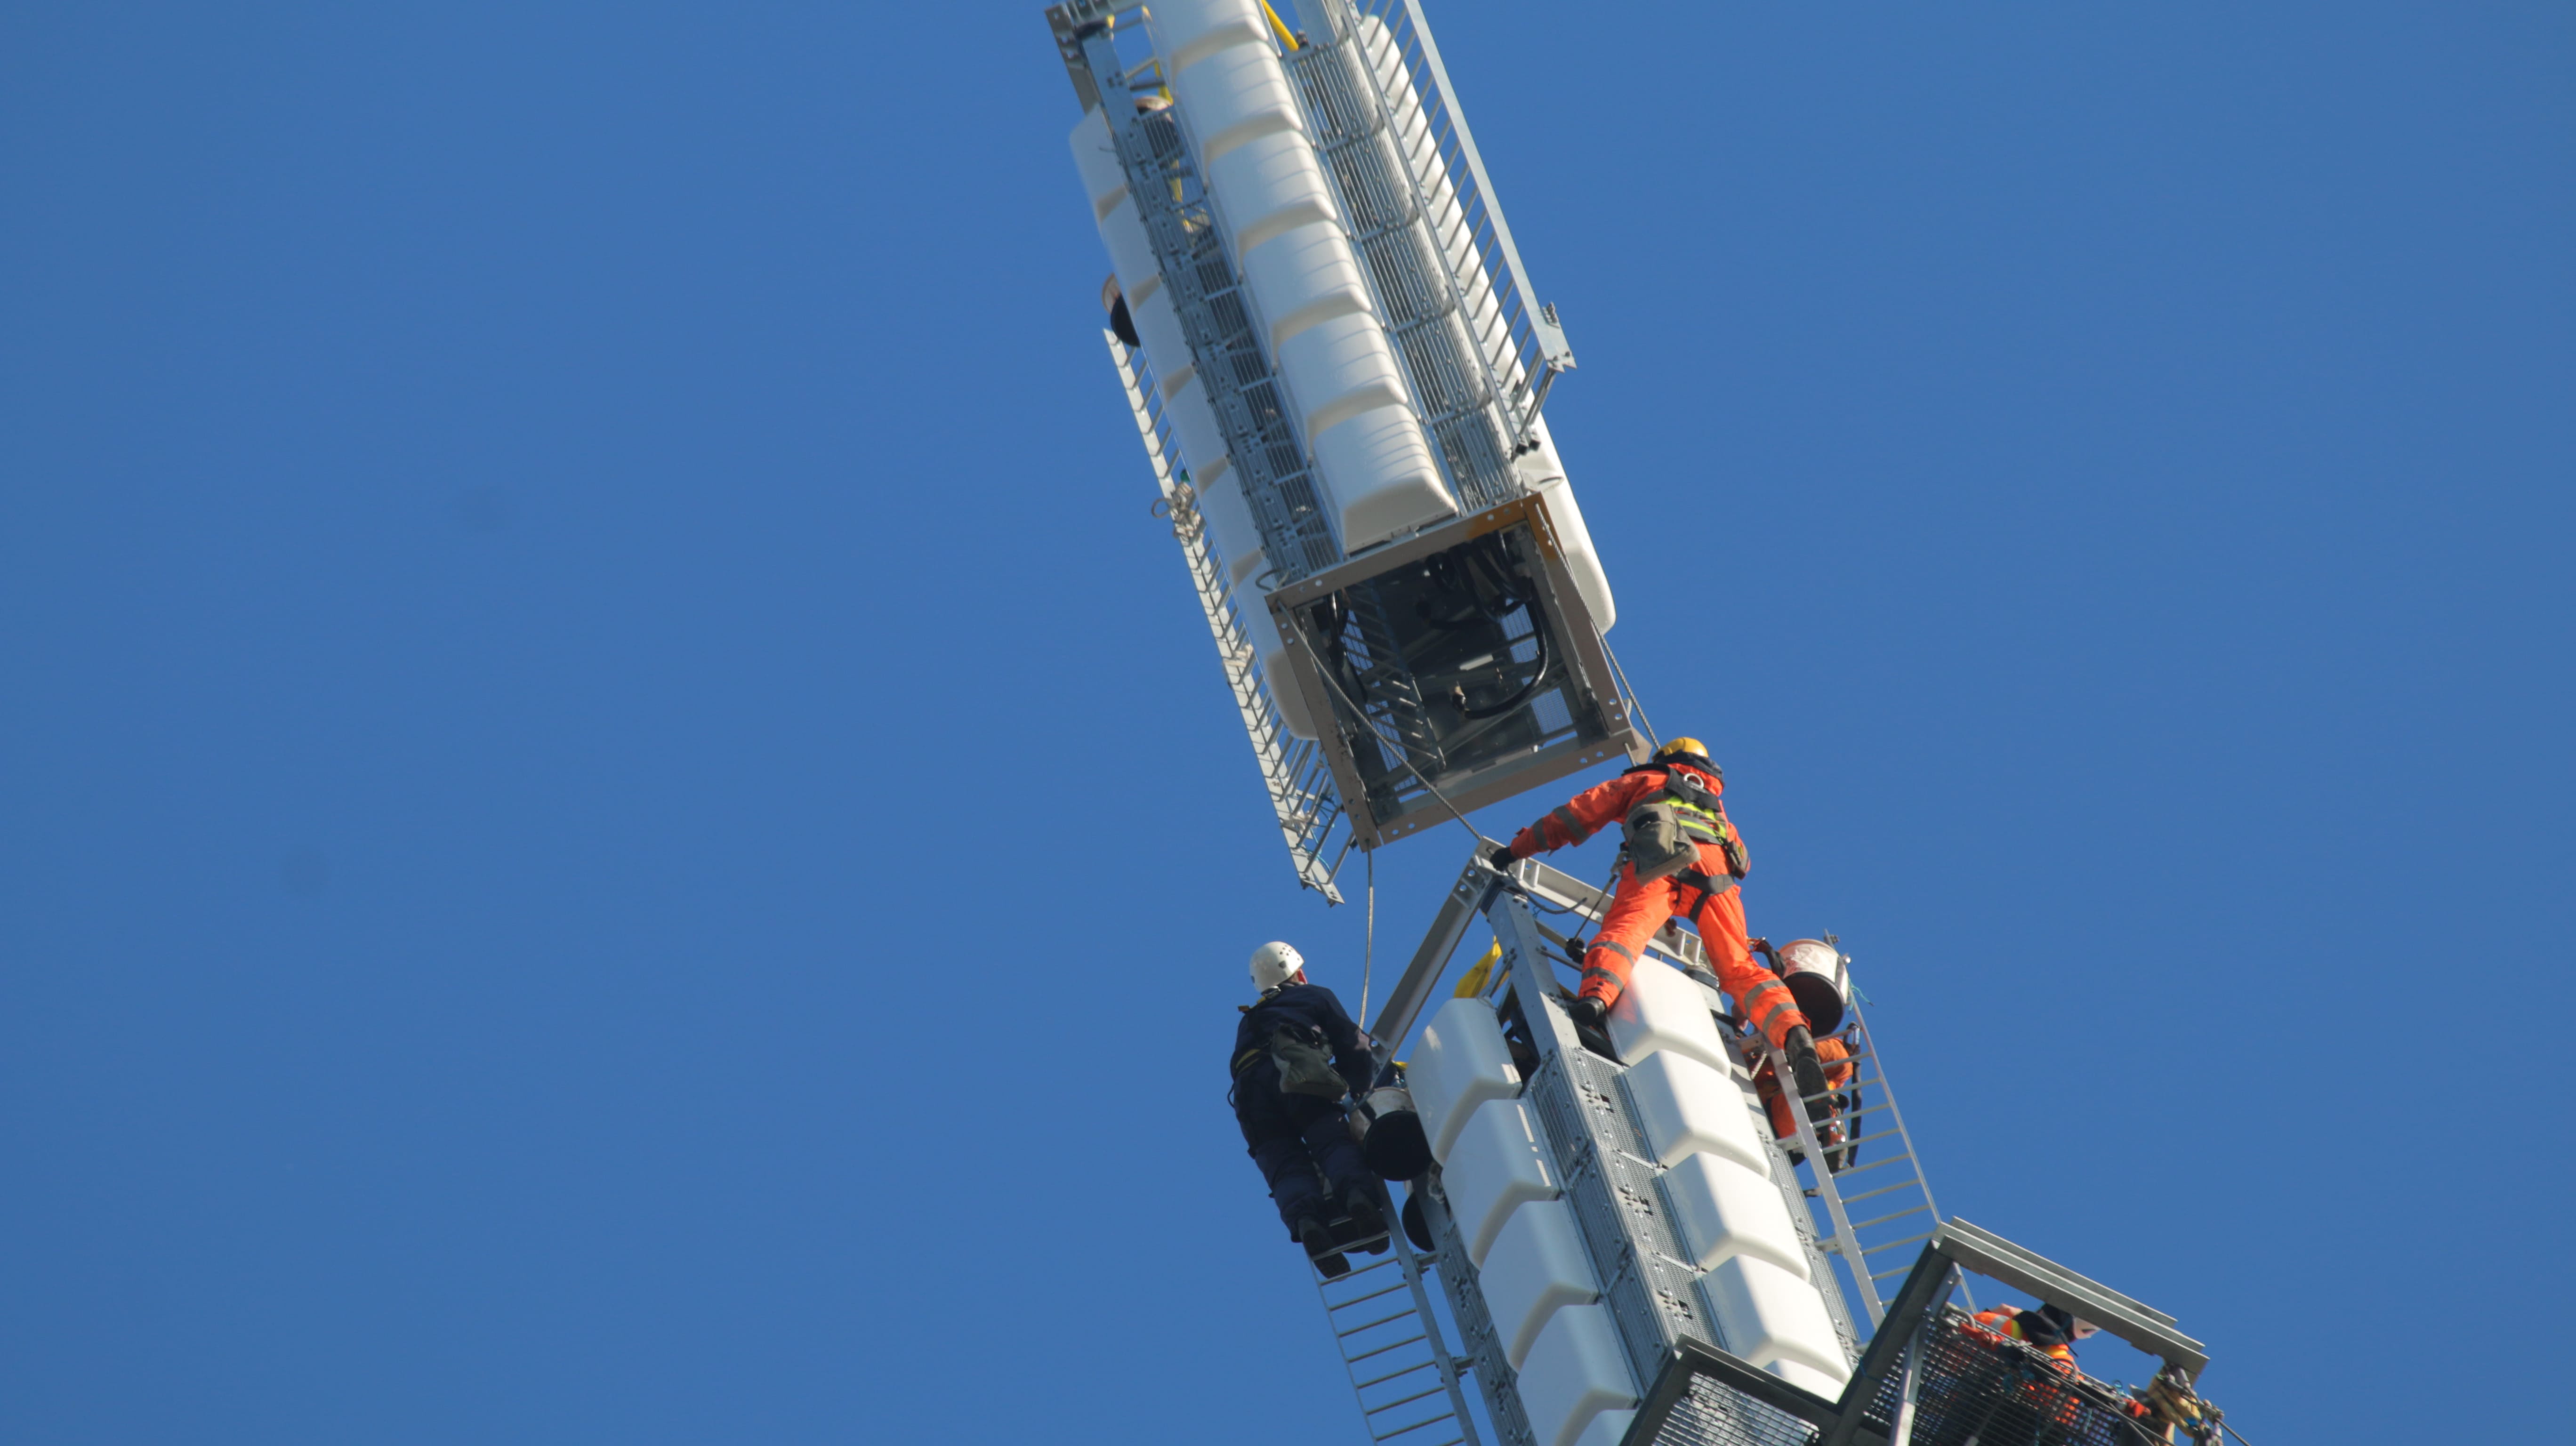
(1696, 808)
(1664, 830)
(1300, 1054)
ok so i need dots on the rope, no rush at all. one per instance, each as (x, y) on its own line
(1368, 950)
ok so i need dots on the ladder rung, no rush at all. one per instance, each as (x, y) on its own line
(1858, 1169)
(1382, 1350)
(1859, 1225)
(1381, 1320)
(1914, 1184)
(1893, 1244)
(1391, 1375)
(1418, 1425)
(1354, 1274)
(1407, 1401)
(1372, 1295)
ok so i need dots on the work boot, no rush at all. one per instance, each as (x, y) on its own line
(1317, 1237)
(1366, 1220)
(1809, 1073)
(1589, 1016)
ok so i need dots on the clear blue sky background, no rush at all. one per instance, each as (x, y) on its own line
(615, 826)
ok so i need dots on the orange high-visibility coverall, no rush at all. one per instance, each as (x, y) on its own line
(1637, 910)
(1836, 1058)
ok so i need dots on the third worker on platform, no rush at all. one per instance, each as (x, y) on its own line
(1682, 857)
(1296, 1054)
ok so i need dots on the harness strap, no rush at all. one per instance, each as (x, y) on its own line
(1709, 888)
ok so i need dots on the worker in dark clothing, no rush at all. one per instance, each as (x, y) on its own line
(1296, 1053)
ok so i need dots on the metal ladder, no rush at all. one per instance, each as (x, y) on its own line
(1293, 770)
(1867, 1218)
(1399, 1365)
(1887, 1194)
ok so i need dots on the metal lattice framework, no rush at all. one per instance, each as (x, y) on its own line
(1418, 720)
(1293, 770)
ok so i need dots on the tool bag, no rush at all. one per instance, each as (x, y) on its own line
(1657, 843)
(1305, 1068)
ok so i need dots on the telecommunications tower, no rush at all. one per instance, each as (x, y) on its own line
(1338, 368)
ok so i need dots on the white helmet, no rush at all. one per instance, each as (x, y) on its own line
(1273, 964)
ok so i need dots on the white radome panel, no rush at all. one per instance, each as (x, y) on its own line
(1131, 251)
(1303, 277)
(1230, 527)
(1725, 1210)
(1768, 1315)
(1807, 1378)
(1663, 1009)
(1095, 155)
(1187, 31)
(1350, 353)
(1536, 1267)
(1686, 1107)
(1496, 1166)
(1267, 186)
(1233, 95)
(1460, 1064)
(1158, 326)
(1575, 1372)
(1202, 445)
(1385, 444)
(1607, 1429)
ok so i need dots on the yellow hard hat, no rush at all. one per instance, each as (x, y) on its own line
(1681, 746)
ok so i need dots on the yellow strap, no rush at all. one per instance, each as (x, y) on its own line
(1478, 977)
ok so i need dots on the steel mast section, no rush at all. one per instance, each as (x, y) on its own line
(1339, 376)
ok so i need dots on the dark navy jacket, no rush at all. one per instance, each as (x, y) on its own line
(1308, 1004)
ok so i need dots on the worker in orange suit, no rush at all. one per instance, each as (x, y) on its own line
(1685, 784)
(1835, 1056)
(2056, 1410)
(2048, 1329)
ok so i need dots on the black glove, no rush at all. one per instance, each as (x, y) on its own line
(1500, 856)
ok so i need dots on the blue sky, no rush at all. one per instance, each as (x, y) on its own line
(618, 827)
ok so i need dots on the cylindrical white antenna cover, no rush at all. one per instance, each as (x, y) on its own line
(1576, 1371)
(1194, 424)
(1299, 270)
(1159, 327)
(1230, 525)
(1131, 251)
(1769, 1316)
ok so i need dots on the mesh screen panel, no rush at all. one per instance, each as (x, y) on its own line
(1709, 1414)
(1977, 1390)
(1978, 1386)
